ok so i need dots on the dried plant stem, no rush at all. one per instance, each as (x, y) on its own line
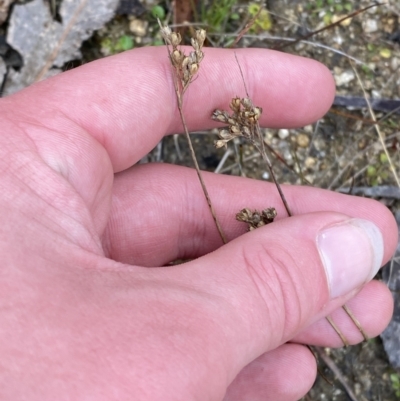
(244, 122)
(247, 123)
(333, 367)
(246, 28)
(315, 351)
(355, 321)
(185, 69)
(271, 170)
(338, 332)
(378, 131)
(197, 168)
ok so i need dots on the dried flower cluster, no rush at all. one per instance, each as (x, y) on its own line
(186, 66)
(242, 122)
(256, 219)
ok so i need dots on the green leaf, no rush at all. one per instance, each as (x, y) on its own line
(158, 12)
(394, 378)
(383, 158)
(125, 42)
(371, 171)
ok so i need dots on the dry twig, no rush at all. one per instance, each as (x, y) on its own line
(330, 26)
(333, 367)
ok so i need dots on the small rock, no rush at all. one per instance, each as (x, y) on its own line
(338, 39)
(268, 135)
(310, 162)
(287, 155)
(283, 133)
(394, 64)
(138, 27)
(375, 94)
(370, 26)
(309, 129)
(344, 78)
(303, 140)
(310, 178)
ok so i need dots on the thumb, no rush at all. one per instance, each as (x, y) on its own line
(272, 282)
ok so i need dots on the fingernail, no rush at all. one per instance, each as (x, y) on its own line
(352, 253)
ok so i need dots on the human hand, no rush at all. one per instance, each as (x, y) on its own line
(82, 316)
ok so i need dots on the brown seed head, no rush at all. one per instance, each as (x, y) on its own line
(195, 44)
(246, 132)
(175, 39)
(177, 57)
(235, 129)
(257, 112)
(235, 104)
(246, 102)
(185, 62)
(193, 68)
(250, 117)
(219, 115)
(201, 36)
(199, 55)
(225, 134)
(269, 213)
(244, 215)
(220, 143)
(166, 32)
(193, 57)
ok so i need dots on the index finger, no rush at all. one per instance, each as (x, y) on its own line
(127, 102)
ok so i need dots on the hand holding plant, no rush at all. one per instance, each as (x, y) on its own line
(84, 313)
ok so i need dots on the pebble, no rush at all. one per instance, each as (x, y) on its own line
(283, 133)
(303, 140)
(310, 178)
(344, 78)
(370, 26)
(394, 64)
(138, 27)
(268, 135)
(375, 94)
(309, 129)
(310, 162)
(287, 155)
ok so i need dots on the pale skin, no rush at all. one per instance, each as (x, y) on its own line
(83, 317)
